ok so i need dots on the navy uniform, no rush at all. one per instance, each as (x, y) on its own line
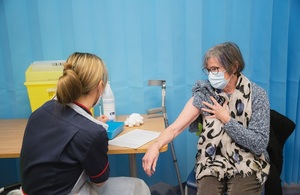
(59, 143)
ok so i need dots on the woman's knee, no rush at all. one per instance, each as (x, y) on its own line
(244, 185)
(210, 185)
(141, 188)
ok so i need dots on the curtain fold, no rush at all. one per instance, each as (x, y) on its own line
(158, 39)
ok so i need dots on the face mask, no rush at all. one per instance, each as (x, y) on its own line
(99, 100)
(218, 80)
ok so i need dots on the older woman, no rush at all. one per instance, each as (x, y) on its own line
(232, 116)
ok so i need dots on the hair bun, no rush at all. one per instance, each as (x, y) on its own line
(67, 66)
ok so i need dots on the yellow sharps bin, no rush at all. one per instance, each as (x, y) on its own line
(41, 80)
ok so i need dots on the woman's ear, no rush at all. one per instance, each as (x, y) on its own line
(235, 67)
(101, 86)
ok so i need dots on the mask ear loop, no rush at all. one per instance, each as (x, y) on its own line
(100, 90)
(230, 78)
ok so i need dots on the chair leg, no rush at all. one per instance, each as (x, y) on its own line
(186, 190)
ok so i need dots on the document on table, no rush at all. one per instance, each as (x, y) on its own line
(135, 138)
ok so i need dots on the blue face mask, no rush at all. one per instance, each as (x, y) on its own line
(99, 100)
(218, 80)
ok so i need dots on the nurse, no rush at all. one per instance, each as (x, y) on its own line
(65, 148)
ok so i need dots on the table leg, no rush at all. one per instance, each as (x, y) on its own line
(132, 164)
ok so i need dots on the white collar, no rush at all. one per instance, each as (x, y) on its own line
(79, 110)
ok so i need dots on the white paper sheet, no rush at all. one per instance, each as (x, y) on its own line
(135, 138)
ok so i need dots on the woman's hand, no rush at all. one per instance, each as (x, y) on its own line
(150, 159)
(217, 111)
(103, 118)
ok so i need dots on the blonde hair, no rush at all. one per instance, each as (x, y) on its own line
(82, 73)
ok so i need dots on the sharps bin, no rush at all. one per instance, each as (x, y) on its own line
(41, 81)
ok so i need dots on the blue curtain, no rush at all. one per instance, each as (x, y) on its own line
(158, 39)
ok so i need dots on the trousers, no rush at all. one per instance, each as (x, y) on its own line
(234, 186)
(114, 186)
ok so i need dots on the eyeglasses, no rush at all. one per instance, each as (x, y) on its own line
(213, 70)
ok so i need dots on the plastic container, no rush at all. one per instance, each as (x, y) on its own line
(41, 81)
(114, 128)
(108, 103)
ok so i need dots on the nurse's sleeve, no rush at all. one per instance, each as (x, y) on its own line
(96, 162)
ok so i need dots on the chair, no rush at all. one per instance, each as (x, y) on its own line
(281, 128)
(191, 184)
(278, 137)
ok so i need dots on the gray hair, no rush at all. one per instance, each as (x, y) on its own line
(228, 54)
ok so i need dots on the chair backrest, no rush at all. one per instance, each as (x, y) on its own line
(281, 128)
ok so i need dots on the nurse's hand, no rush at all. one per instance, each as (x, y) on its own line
(103, 118)
(150, 159)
